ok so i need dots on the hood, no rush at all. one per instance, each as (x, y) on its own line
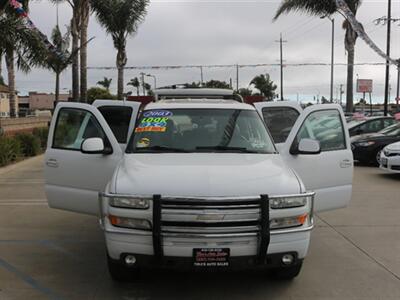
(205, 175)
(394, 147)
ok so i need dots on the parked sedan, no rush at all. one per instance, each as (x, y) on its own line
(369, 125)
(390, 158)
(367, 148)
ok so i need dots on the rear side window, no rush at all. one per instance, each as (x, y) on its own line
(280, 121)
(326, 127)
(73, 127)
(119, 119)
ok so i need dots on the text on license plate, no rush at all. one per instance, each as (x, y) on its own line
(211, 257)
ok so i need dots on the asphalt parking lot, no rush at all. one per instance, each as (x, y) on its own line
(49, 254)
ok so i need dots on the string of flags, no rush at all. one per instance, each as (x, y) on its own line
(27, 22)
(358, 28)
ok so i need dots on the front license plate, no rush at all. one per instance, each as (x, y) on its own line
(211, 257)
(384, 161)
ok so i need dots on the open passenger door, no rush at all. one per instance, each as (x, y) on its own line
(328, 172)
(280, 118)
(75, 172)
(120, 116)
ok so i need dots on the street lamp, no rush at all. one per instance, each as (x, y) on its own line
(155, 80)
(332, 53)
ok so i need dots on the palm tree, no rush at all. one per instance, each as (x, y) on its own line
(106, 83)
(22, 47)
(323, 8)
(265, 85)
(58, 63)
(135, 83)
(120, 18)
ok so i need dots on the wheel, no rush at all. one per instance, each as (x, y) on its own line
(118, 271)
(287, 273)
(377, 160)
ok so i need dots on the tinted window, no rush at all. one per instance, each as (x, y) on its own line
(280, 121)
(388, 122)
(201, 130)
(119, 119)
(326, 127)
(371, 126)
(73, 127)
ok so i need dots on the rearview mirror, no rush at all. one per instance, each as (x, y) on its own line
(307, 147)
(93, 146)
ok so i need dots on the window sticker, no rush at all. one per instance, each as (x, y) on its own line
(143, 143)
(154, 121)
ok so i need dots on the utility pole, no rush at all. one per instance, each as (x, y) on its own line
(201, 76)
(332, 56)
(237, 78)
(389, 23)
(341, 93)
(144, 89)
(281, 41)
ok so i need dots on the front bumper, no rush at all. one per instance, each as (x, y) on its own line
(161, 245)
(390, 163)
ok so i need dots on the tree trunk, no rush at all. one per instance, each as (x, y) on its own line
(120, 82)
(83, 49)
(57, 93)
(121, 63)
(11, 82)
(1, 69)
(350, 77)
(137, 91)
(75, 59)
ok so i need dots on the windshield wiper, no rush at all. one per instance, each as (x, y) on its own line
(226, 148)
(161, 149)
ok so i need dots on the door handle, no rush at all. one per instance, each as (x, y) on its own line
(347, 163)
(52, 163)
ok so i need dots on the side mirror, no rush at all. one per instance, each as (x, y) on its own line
(93, 146)
(307, 147)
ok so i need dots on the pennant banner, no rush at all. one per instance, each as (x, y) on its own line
(18, 7)
(357, 27)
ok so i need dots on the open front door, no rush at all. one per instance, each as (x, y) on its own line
(329, 173)
(74, 178)
(120, 116)
(280, 118)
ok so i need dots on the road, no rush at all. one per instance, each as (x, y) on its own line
(50, 254)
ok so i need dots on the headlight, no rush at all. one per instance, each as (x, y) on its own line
(141, 224)
(289, 202)
(288, 222)
(137, 203)
(365, 144)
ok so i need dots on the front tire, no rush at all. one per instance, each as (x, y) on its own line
(287, 273)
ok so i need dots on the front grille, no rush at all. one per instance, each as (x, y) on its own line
(391, 154)
(211, 216)
(396, 168)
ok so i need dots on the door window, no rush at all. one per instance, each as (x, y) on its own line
(119, 119)
(388, 122)
(73, 127)
(326, 127)
(280, 121)
(371, 126)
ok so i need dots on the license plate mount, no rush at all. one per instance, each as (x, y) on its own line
(211, 257)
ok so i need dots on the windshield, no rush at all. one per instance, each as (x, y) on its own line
(393, 130)
(200, 130)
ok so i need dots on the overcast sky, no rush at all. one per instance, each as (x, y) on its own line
(227, 32)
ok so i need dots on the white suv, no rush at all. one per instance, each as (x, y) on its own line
(200, 183)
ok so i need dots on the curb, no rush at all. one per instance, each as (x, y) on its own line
(6, 169)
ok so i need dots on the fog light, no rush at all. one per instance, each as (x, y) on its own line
(130, 260)
(287, 259)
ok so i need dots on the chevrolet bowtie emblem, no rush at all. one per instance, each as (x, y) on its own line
(210, 217)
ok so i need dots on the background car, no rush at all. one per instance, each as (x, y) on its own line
(390, 158)
(367, 148)
(369, 125)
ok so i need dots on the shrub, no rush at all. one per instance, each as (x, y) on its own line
(10, 150)
(42, 134)
(30, 144)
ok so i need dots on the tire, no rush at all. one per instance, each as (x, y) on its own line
(377, 158)
(287, 273)
(118, 271)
